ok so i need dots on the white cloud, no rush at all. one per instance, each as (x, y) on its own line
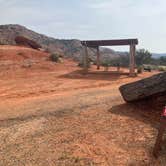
(130, 7)
(91, 19)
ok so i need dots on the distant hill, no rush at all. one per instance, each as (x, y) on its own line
(68, 48)
(157, 55)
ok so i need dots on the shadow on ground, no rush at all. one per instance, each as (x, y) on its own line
(60, 113)
(139, 111)
(95, 75)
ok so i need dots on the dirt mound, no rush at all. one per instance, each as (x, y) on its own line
(69, 48)
(17, 57)
(23, 41)
(18, 53)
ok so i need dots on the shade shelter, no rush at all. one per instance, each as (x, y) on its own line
(97, 43)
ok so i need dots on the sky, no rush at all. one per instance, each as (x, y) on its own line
(92, 19)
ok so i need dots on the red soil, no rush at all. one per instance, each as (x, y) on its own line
(52, 114)
(17, 53)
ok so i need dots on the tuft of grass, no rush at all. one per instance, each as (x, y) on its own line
(74, 160)
(64, 156)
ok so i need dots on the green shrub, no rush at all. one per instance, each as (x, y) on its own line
(54, 57)
(139, 69)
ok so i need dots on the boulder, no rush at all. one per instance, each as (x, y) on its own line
(23, 41)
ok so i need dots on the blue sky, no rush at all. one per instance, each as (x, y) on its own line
(92, 19)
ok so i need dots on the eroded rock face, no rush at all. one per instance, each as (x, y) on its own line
(151, 89)
(21, 40)
(69, 48)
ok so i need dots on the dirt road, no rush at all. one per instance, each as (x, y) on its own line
(54, 115)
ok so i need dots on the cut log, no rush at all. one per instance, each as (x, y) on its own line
(152, 87)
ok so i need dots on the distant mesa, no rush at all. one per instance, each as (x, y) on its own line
(23, 41)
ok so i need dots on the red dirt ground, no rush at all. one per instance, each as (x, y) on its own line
(52, 114)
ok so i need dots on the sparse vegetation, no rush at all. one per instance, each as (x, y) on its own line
(106, 65)
(54, 119)
(148, 67)
(140, 69)
(144, 61)
(54, 57)
(55, 114)
(143, 57)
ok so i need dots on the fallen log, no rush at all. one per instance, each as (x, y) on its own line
(153, 87)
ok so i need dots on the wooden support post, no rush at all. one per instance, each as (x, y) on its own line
(98, 59)
(159, 140)
(132, 60)
(85, 59)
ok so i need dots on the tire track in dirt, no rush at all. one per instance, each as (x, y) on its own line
(9, 95)
(54, 105)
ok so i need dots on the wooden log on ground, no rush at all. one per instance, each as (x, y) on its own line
(159, 140)
(151, 87)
